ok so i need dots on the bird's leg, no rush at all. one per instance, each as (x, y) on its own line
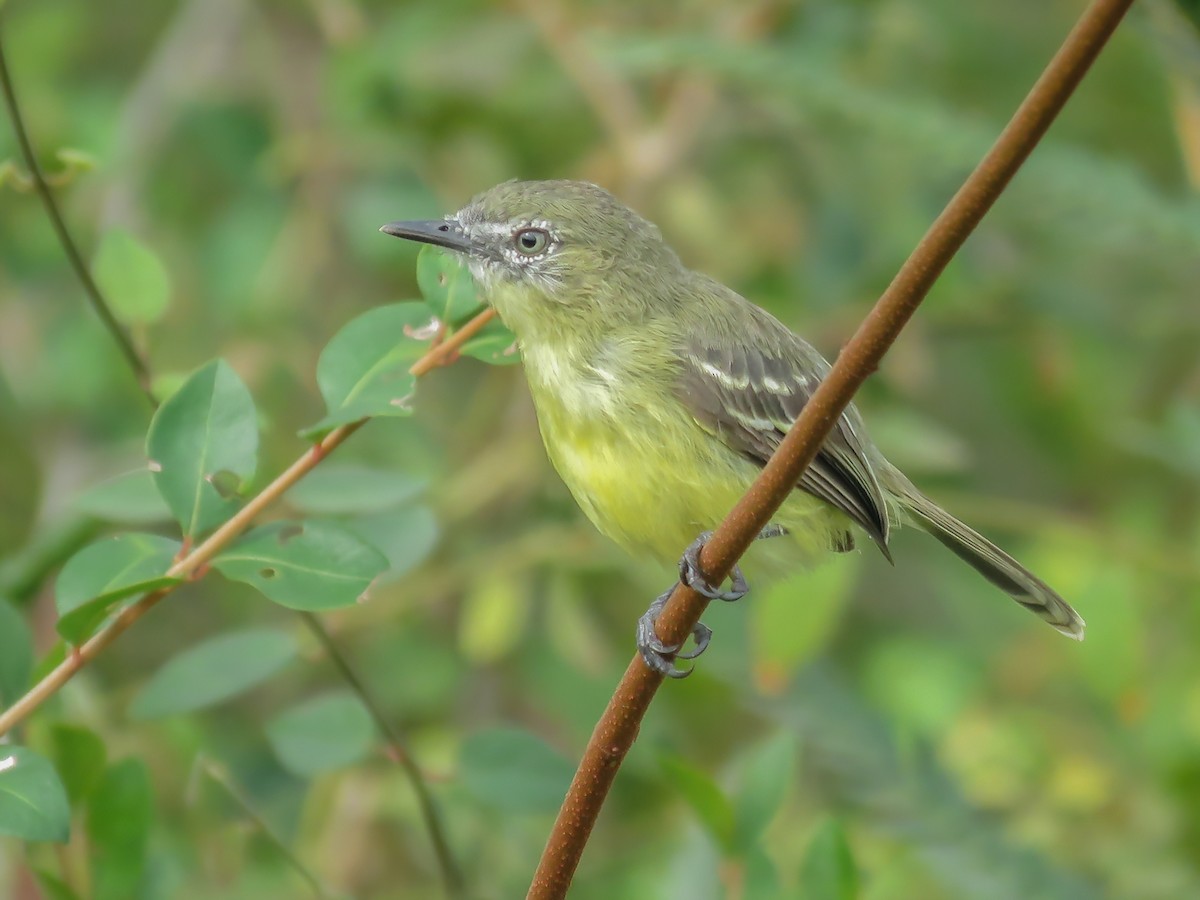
(690, 574)
(659, 656)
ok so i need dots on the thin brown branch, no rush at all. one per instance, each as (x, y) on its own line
(221, 776)
(137, 365)
(191, 565)
(612, 100)
(398, 753)
(618, 726)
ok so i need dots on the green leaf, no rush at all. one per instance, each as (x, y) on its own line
(760, 879)
(79, 756)
(205, 435)
(33, 803)
(766, 774)
(792, 619)
(132, 278)
(324, 733)
(828, 870)
(49, 661)
(52, 888)
(363, 371)
(347, 488)
(16, 654)
(118, 826)
(309, 565)
(494, 616)
(513, 771)
(926, 684)
(704, 796)
(1191, 9)
(74, 162)
(495, 344)
(213, 671)
(405, 536)
(129, 498)
(21, 484)
(101, 574)
(446, 286)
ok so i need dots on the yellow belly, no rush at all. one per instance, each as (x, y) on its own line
(654, 484)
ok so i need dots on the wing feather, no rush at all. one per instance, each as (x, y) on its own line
(749, 397)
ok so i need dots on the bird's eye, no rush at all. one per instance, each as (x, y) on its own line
(531, 241)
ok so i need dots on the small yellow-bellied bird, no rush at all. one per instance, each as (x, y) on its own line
(661, 393)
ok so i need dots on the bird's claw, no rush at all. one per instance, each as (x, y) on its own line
(661, 657)
(691, 574)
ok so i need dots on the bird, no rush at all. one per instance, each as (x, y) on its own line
(660, 393)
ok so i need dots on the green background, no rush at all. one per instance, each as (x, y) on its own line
(906, 724)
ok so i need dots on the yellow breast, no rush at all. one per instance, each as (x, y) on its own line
(642, 469)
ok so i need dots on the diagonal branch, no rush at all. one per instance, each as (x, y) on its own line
(141, 372)
(618, 726)
(397, 752)
(192, 566)
(220, 775)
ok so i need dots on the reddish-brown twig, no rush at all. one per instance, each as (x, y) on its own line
(618, 726)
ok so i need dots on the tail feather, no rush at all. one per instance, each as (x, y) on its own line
(990, 561)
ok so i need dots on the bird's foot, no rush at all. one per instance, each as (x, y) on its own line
(659, 656)
(691, 575)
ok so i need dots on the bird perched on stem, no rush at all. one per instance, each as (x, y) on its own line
(660, 393)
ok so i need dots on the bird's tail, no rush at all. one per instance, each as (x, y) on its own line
(987, 559)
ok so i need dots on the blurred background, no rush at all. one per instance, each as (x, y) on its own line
(908, 724)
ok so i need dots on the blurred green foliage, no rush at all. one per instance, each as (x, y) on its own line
(865, 731)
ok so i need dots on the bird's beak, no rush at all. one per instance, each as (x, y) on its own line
(441, 232)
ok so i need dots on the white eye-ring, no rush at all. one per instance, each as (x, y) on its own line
(531, 241)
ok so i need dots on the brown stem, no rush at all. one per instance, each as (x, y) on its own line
(134, 359)
(221, 776)
(192, 563)
(618, 726)
(397, 752)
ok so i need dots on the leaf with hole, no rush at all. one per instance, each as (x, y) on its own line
(203, 445)
(311, 565)
(514, 771)
(446, 286)
(132, 278)
(101, 574)
(324, 733)
(363, 371)
(213, 671)
(33, 803)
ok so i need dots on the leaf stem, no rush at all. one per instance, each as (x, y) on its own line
(397, 751)
(141, 372)
(222, 777)
(191, 564)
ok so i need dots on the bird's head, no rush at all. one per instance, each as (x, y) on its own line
(548, 253)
